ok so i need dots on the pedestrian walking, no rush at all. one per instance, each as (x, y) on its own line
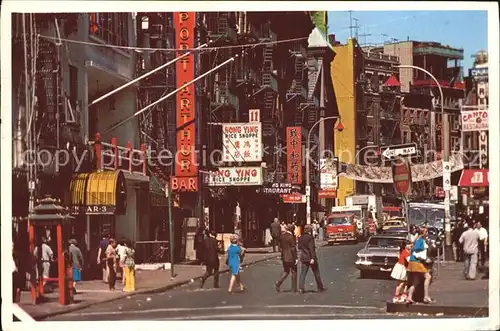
(470, 240)
(129, 266)
(234, 254)
(289, 259)
(283, 227)
(308, 259)
(483, 237)
(198, 242)
(457, 233)
(417, 270)
(275, 233)
(399, 272)
(101, 256)
(111, 257)
(45, 256)
(297, 231)
(211, 255)
(76, 259)
(121, 247)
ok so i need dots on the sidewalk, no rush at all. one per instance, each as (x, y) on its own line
(151, 281)
(453, 294)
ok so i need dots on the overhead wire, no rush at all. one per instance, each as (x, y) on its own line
(150, 49)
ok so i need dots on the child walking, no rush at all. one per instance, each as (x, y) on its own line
(399, 272)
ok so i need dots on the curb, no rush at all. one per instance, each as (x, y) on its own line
(164, 288)
(481, 311)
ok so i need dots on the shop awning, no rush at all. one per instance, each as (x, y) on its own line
(474, 178)
(98, 193)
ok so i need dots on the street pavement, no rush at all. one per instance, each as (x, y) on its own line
(347, 296)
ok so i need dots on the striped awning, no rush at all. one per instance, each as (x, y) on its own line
(98, 193)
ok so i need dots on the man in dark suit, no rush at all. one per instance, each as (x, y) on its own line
(275, 233)
(308, 259)
(211, 258)
(288, 246)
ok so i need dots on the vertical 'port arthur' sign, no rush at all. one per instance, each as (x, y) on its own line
(186, 171)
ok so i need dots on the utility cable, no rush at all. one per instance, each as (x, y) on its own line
(150, 49)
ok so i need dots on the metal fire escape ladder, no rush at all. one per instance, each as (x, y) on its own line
(48, 93)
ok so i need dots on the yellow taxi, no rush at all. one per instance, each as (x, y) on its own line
(396, 222)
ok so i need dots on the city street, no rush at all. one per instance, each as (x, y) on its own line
(347, 296)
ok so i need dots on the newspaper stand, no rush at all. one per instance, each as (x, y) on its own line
(49, 212)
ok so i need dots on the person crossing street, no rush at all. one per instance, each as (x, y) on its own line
(308, 259)
(275, 233)
(288, 257)
(211, 259)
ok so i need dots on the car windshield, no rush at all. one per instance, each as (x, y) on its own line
(393, 223)
(339, 221)
(385, 242)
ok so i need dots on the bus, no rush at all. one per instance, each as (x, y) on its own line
(431, 213)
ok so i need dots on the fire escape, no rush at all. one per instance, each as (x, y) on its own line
(158, 126)
(297, 94)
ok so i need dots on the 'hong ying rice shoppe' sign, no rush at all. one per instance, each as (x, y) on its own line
(237, 176)
(242, 142)
(186, 170)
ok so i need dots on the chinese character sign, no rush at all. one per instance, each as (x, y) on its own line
(294, 154)
(185, 165)
(242, 142)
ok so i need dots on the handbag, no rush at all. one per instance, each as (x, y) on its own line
(422, 255)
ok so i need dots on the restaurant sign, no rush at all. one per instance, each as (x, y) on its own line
(93, 210)
(294, 154)
(236, 176)
(242, 142)
(474, 120)
(278, 188)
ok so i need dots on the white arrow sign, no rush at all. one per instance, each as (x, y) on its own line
(400, 150)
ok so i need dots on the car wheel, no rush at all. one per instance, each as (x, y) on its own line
(362, 274)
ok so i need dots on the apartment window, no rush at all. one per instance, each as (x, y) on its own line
(112, 28)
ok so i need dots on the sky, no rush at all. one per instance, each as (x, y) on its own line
(459, 29)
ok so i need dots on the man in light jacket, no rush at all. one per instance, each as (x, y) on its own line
(470, 239)
(308, 259)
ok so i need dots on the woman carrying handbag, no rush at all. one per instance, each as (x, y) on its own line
(417, 269)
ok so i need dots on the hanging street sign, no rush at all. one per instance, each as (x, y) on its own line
(401, 174)
(399, 150)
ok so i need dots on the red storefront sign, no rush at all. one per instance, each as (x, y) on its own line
(293, 198)
(401, 174)
(474, 178)
(184, 184)
(325, 194)
(185, 162)
(294, 154)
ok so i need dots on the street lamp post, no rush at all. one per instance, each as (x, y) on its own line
(446, 172)
(308, 179)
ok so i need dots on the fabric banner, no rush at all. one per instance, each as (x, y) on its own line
(419, 172)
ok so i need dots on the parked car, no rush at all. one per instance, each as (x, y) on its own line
(399, 231)
(380, 254)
